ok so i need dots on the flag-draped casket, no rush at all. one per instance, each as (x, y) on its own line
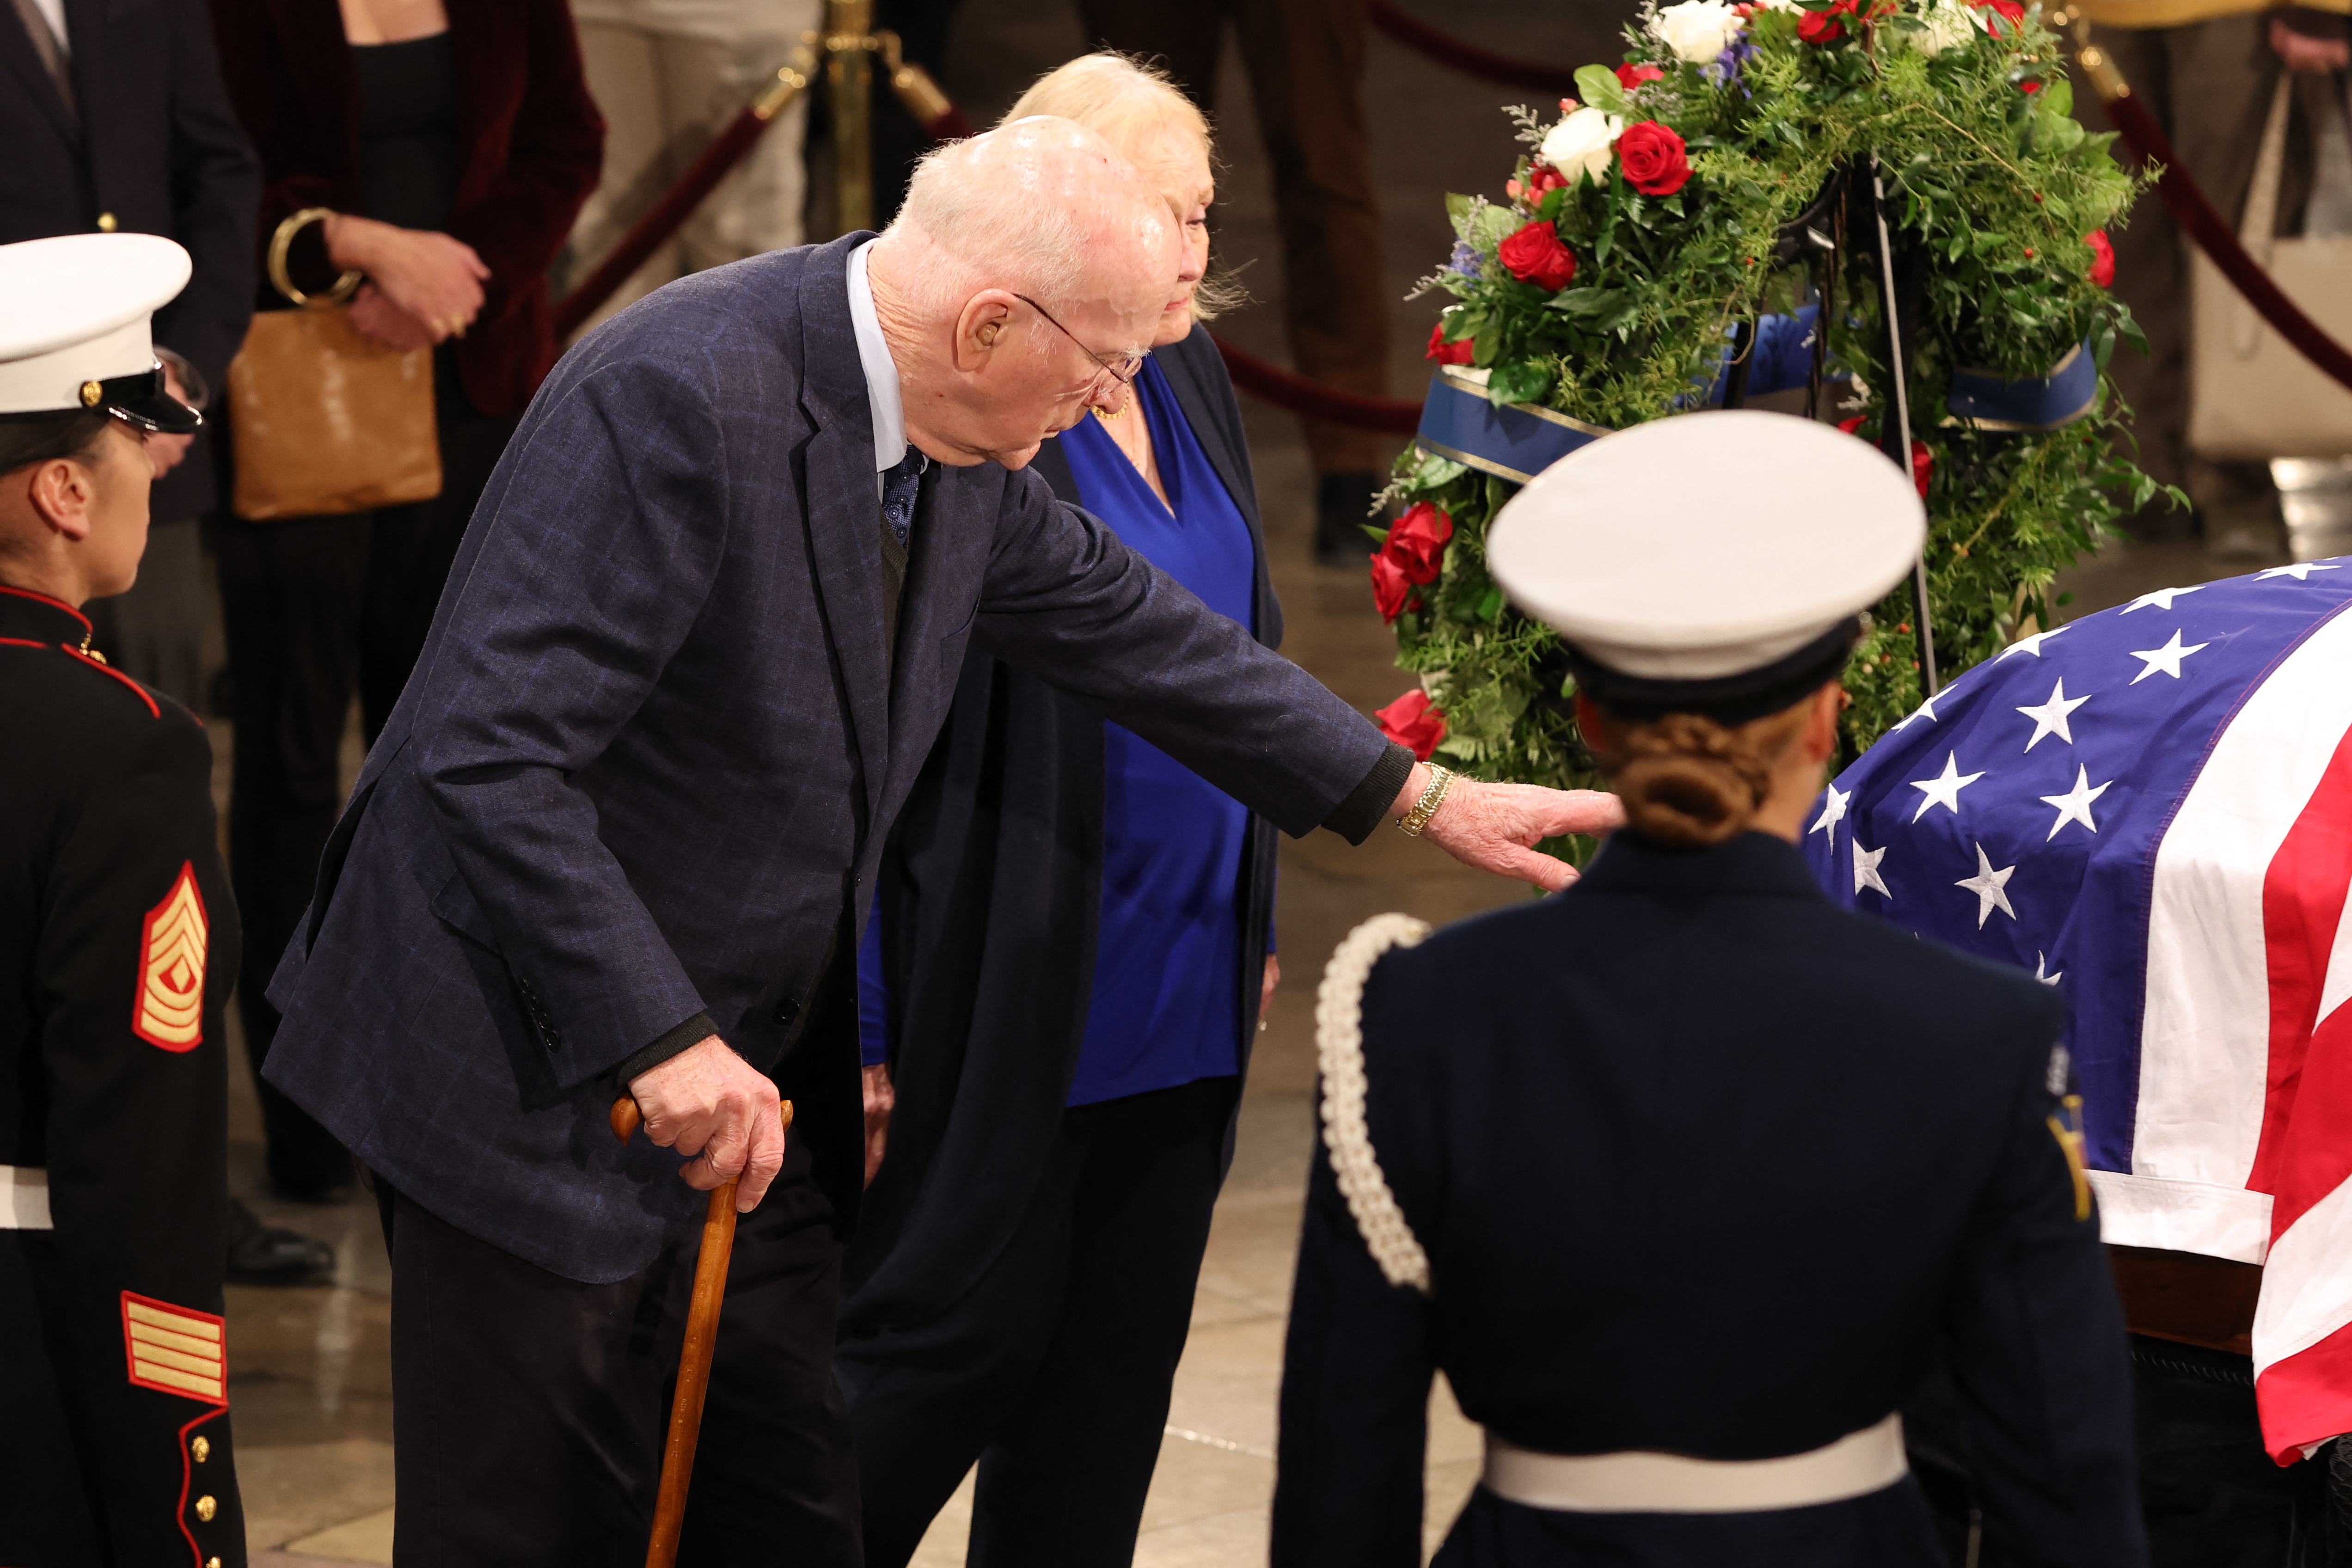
(2151, 809)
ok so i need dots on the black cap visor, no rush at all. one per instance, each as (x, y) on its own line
(140, 401)
(1727, 700)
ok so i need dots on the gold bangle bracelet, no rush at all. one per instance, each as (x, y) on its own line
(1440, 781)
(283, 241)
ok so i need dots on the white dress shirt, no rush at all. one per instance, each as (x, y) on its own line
(881, 371)
(54, 12)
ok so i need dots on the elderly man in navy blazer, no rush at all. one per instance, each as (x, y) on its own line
(704, 628)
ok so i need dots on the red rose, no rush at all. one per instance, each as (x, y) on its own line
(1630, 77)
(1824, 27)
(1536, 256)
(1393, 593)
(1541, 177)
(1444, 353)
(2102, 258)
(1412, 723)
(1655, 162)
(2029, 87)
(1923, 461)
(1417, 542)
(2008, 11)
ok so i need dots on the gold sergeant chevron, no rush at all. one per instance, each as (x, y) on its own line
(174, 1350)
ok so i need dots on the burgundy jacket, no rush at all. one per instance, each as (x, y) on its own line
(530, 148)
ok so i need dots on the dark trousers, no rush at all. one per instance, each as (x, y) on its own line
(1054, 1375)
(529, 1410)
(2211, 1497)
(318, 610)
(1305, 65)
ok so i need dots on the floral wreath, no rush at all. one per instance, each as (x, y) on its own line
(1658, 233)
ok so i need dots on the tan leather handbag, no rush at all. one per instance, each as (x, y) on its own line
(2252, 395)
(327, 420)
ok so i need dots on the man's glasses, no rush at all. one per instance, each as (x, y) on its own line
(1121, 367)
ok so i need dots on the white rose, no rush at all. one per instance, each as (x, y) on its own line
(1582, 143)
(1947, 27)
(1696, 30)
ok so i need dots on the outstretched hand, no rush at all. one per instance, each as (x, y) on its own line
(708, 1102)
(1496, 827)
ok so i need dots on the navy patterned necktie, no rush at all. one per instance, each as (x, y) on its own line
(900, 484)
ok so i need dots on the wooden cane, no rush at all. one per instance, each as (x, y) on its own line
(694, 1357)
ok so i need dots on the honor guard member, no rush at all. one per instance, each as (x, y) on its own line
(1686, 1177)
(119, 939)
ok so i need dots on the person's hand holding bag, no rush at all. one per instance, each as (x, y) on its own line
(433, 280)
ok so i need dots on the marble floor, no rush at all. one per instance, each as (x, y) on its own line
(308, 1367)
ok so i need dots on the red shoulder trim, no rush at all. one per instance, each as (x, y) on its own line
(109, 670)
(45, 599)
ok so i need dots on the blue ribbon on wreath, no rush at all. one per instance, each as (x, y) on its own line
(1517, 441)
(1779, 355)
(1983, 400)
(1514, 442)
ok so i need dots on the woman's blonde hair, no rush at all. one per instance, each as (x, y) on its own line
(1128, 103)
(1688, 781)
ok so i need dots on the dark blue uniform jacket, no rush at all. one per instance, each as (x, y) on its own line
(1705, 1164)
(118, 945)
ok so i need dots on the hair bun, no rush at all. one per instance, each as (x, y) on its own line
(1688, 781)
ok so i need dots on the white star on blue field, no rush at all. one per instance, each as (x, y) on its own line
(2017, 814)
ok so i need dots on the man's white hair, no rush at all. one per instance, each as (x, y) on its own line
(1021, 207)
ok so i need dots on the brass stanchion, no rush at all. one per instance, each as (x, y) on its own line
(849, 45)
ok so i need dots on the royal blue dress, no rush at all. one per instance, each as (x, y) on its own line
(1167, 953)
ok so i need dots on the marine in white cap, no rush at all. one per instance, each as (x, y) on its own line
(1687, 1179)
(118, 936)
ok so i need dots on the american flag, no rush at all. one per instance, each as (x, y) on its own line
(2151, 809)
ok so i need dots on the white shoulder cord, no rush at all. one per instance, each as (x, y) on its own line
(1340, 1050)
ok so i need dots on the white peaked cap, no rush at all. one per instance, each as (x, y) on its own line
(74, 310)
(1708, 545)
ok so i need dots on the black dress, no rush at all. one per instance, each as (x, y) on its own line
(1015, 1252)
(320, 609)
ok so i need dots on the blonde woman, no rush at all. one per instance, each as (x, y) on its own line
(1070, 954)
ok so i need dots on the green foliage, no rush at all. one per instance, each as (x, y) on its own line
(1993, 189)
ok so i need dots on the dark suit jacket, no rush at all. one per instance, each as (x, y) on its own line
(992, 895)
(530, 148)
(154, 144)
(1704, 1165)
(646, 764)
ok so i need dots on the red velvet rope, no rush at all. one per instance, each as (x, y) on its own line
(666, 216)
(1468, 58)
(1286, 389)
(951, 126)
(1278, 386)
(2197, 217)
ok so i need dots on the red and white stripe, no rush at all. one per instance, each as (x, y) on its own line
(2243, 1142)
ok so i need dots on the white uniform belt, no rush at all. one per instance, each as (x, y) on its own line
(23, 1198)
(1854, 1466)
